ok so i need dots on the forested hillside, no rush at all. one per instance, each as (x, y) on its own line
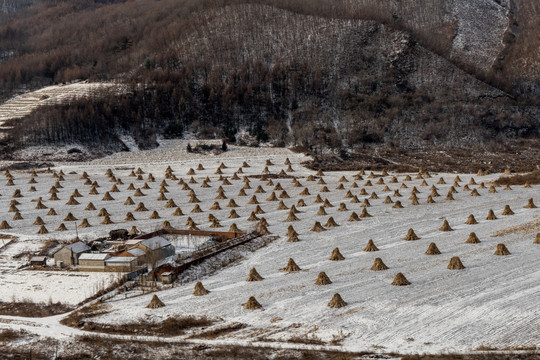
(319, 74)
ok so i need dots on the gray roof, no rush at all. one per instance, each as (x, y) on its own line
(38, 258)
(87, 256)
(136, 252)
(156, 242)
(119, 259)
(78, 247)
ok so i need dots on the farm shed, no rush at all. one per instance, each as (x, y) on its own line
(69, 254)
(136, 253)
(121, 264)
(38, 261)
(92, 262)
(155, 248)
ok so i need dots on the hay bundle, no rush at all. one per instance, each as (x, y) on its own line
(200, 290)
(455, 264)
(411, 236)
(196, 209)
(134, 231)
(154, 215)
(106, 220)
(415, 201)
(43, 230)
(129, 201)
(317, 227)
(507, 211)
(114, 188)
(272, 197)
(353, 217)
(323, 279)
(242, 192)
(254, 275)
(492, 189)
(40, 205)
(93, 191)
(501, 250)
(322, 211)
(151, 178)
(145, 186)
(291, 266)
(430, 200)
(54, 197)
(365, 214)
(76, 193)
(10, 182)
(139, 178)
(39, 221)
(190, 172)
(103, 212)
(259, 190)
(205, 184)
(262, 227)
(371, 246)
(374, 195)
(434, 193)
(232, 204)
(32, 181)
(386, 189)
(474, 192)
(119, 182)
(330, 223)
(221, 195)
(432, 249)
(537, 239)
(194, 199)
(284, 195)
(18, 215)
(4, 225)
(13, 208)
(450, 196)
(226, 182)
(397, 205)
(349, 194)
(491, 215)
(530, 204)
(215, 206)
(233, 214)
(397, 193)
(107, 197)
(17, 194)
(321, 182)
(336, 255)
(138, 192)
(337, 302)
(368, 183)
(424, 183)
(291, 231)
(129, 217)
(234, 228)
(466, 188)
(70, 217)
(293, 238)
(327, 203)
(472, 239)
(291, 217)
(258, 210)
(354, 200)
(507, 187)
(278, 187)
(400, 280)
(61, 227)
(155, 303)
(378, 265)
(253, 217)
(84, 223)
(167, 225)
(445, 226)
(342, 207)
(131, 187)
(140, 207)
(471, 220)
(354, 185)
(252, 304)
(472, 181)
(162, 197)
(59, 186)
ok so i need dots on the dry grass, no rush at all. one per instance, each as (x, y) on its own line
(30, 309)
(526, 228)
(532, 178)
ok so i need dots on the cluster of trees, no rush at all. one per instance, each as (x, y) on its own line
(327, 79)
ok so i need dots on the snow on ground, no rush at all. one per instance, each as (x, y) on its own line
(492, 302)
(22, 105)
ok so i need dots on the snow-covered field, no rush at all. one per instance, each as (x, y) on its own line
(491, 303)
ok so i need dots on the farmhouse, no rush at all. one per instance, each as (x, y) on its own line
(120, 264)
(136, 253)
(155, 248)
(69, 254)
(38, 261)
(92, 262)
